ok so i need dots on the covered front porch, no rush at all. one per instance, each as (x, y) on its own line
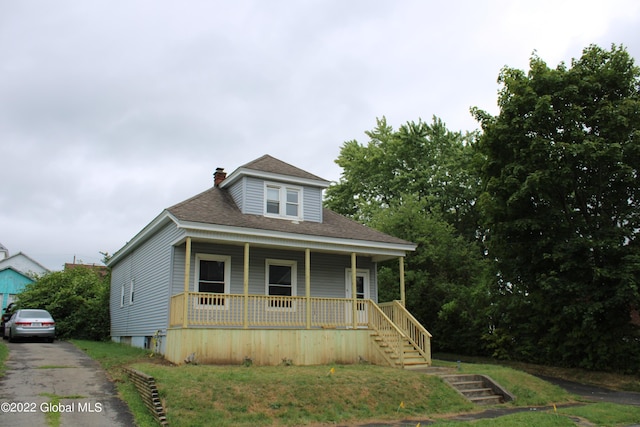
(305, 330)
(231, 327)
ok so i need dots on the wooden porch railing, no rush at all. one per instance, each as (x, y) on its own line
(225, 310)
(392, 323)
(390, 334)
(415, 332)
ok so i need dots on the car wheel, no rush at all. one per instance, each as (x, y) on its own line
(11, 338)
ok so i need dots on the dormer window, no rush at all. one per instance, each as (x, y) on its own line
(283, 201)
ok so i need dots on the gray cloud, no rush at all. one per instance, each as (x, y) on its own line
(110, 112)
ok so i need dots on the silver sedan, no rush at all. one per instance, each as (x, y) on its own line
(30, 323)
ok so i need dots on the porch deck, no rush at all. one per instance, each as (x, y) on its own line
(257, 324)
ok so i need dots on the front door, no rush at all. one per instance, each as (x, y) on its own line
(362, 292)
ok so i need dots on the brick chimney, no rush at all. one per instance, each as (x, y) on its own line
(218, 176)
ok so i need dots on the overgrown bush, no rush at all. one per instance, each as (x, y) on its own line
(78, 300)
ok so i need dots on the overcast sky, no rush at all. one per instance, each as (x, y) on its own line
(112, 111)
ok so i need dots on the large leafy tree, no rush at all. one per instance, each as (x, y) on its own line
(562, 209)
(77, 298)
(417, 183)
(419, 161)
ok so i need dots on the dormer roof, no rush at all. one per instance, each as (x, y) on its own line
(268, 167)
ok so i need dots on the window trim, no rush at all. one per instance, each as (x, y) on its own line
(294, 280)
(282, 201)
(131, 291)
(227, 277)
(122, 295)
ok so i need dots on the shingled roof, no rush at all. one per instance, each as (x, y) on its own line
(216, 206)
(270, 164)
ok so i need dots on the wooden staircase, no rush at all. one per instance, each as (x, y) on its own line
(479, 389)
(401, 339)
(409, 358)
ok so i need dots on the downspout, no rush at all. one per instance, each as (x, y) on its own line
(245, 322)
(307, 283)
(187, 272)
(354, 295)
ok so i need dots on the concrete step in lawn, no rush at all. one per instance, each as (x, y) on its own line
(479, 389)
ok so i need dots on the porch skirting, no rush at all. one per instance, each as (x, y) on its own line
(271, 346)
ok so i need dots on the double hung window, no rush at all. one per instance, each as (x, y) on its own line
(213, 278)
(283, 201)
(281, 282)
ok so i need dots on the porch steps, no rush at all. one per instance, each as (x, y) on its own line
(479, 389)
(412, 357)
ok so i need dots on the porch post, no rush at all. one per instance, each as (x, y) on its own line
(354, 290)
(307, 283)
(402, 294)
(187, 272)
(245, 322)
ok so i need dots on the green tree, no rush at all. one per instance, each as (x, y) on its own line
(418, 183)
(561, 207)
(77, 298)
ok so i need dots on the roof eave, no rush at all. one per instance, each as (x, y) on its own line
(378, 250)
(270, 176)
(164, 217)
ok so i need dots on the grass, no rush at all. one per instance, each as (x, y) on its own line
(298, 395)
(529, 390)
(196, 395)
(4, 353)
(606, 414)
(608, 380)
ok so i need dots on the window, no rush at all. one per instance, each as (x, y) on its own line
(122, 296)
(131, 292)
(281, 281)
(283, 201)
(213, 277)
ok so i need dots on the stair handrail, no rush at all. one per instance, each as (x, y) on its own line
(387, 331)
(415, 332)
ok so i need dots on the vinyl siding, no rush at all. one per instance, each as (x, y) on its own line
(248, 193)
(327, 270)
(253, 196)
(149, 266)
(237, 193)
(11, 283)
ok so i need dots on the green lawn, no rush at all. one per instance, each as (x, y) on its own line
(197, 395)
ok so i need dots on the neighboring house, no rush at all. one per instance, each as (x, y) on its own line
(99, 269)
(255, 268)
(12, 282)
(15, 272)
(4, 252)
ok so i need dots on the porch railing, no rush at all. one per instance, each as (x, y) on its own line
(390, 335)
(226, 310)
(415, 332)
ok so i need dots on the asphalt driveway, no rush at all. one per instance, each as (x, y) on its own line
(43, 378)
(596, 394)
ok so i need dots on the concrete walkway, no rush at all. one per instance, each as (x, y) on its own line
(43, 379)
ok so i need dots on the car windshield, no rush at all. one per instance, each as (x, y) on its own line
(34, 313)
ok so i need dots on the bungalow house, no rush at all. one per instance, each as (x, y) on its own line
(255, 268)
(16, 271)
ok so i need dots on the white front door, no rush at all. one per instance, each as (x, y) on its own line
(362, 292)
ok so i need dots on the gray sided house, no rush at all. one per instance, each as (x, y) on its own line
(255, 268)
